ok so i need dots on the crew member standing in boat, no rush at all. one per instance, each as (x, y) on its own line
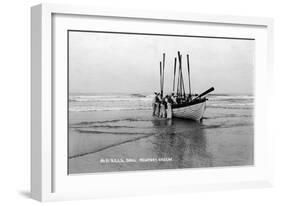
(173, 98)
(189, 98)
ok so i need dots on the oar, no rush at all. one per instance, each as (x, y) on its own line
(204, 93)
(182, 81)
(179, 76)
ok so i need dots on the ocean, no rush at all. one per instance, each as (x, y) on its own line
(116, 132)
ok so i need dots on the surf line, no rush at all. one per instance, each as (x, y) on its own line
(105, 132)
(110, 146)
(111, 121)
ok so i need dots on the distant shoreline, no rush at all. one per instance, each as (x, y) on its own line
(147, 93)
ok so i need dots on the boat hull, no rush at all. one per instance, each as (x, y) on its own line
(193, 112)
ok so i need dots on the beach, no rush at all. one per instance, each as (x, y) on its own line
(117, 132)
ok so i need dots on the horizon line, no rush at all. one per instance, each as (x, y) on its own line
(225, 93)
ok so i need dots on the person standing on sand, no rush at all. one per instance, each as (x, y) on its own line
(154, 103)
(166, 105)
(169, 107)
(165, 101)
(162, 109)
(158, 101)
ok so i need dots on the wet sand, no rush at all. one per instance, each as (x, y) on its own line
(110, 141)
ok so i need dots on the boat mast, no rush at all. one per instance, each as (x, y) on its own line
(188, 69)
(181, 82)
(162, 67)
(175, 67)
(178, 85)
(163, 75)
(161, 87)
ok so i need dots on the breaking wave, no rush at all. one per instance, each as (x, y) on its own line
(92, 109)
(103, 98)
(91, 103)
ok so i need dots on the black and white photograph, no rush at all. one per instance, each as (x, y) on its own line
(144, 101)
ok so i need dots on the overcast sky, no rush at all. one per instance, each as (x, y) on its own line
(126, 63)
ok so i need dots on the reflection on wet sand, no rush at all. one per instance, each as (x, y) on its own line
(184, 141)
(215, 142)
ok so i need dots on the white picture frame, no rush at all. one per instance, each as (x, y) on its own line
(49, 180)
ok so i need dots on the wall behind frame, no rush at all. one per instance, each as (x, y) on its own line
(15, 101)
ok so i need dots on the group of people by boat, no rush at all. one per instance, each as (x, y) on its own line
(162, 106)
(182, 105)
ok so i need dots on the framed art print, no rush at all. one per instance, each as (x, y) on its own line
(133, 102)
(119, 119)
